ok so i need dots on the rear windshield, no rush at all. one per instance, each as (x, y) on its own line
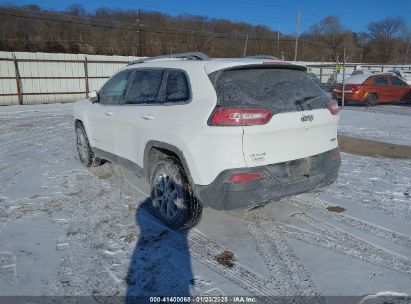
(277, 89)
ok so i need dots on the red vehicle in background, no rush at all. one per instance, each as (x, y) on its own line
(373, 89)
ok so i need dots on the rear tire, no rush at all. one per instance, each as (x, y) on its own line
(371, 100)
(172, 197)
(85, 153)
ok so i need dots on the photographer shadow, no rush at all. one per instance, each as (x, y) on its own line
(160, 264)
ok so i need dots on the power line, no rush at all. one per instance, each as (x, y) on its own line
(134, 26)
(136, 29)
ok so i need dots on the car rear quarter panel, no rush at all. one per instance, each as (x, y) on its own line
(207, 150)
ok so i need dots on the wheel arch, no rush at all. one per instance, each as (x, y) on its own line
(159, 150)
(77, 122)
(370, 93)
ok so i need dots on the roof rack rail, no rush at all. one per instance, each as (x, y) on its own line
(261, 57)
(187, 55)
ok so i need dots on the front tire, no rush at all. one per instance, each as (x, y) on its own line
(85, 153)
(172, 197)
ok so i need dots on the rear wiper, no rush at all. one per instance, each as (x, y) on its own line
(307, 101)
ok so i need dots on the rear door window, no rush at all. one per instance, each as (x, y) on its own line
(277, 89)
(177, 88)
(381, 81)
(144, 87)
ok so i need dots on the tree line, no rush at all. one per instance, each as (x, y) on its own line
(146, 33)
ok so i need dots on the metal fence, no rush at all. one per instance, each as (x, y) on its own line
(364, 84)
(33, 78)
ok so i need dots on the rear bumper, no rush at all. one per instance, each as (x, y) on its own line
(280, 180)
(349, 96)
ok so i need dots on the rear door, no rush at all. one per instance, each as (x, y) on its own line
(301, 125)
(381, 86)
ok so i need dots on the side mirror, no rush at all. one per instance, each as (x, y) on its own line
(93, 96)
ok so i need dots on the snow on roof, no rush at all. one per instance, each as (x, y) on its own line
(357, 79)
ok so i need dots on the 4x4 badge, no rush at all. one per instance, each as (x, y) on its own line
(305, 118)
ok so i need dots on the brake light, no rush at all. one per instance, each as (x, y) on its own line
(275, 62)
(333, 107)
(243, 178)
(240, 116)
(355, 87)
(352, 88)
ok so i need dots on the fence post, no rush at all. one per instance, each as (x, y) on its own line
(343, 82)
(18, 81)
(86, 75)
(321, 74)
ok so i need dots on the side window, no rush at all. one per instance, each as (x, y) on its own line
(381, 81)
(144, 87)
(113, 90)
(397, 82)
(177, 88)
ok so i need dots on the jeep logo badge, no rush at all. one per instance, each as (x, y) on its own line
(305, 118)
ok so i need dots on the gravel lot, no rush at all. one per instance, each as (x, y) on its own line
(68, 230)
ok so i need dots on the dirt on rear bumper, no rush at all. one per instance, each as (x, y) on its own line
(280, 180)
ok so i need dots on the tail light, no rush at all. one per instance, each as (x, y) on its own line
(240, 116)
(333, 107)
(352, 87)
(243, 178)
(355, 88)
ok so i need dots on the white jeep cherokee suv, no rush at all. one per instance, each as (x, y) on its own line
(223, 133)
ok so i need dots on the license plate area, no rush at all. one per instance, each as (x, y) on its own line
(298, 168)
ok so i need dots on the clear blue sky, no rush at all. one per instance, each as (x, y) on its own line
(354, 14)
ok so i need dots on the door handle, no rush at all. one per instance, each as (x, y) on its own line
(147, 116)
(109, 113)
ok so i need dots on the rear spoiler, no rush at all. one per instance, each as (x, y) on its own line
(267, 65)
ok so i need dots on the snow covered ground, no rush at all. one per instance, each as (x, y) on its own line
(388, 123)
(68, 230)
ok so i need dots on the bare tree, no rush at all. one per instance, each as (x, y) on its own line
(385, 39)
(332, 36)
(131, 32)
(387, 28)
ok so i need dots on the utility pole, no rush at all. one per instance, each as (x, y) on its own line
(343, 81)
(140, 51)
(278, 42)
(297, 34)
(362, 51)
(245, 46)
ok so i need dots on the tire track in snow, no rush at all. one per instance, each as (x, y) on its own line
(204, 250)
(8, 263)
(286, 271)
(335, 239)
(319, 206)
